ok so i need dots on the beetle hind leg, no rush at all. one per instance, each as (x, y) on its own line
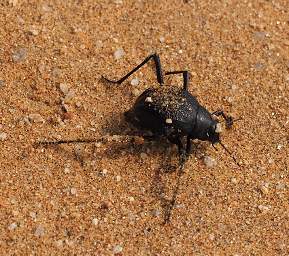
(158, 66)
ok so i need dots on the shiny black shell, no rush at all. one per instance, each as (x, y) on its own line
(171, 110)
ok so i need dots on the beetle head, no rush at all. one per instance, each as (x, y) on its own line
(214, 132)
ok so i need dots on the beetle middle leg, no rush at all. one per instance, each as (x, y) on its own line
(158, 66)
(186, 77)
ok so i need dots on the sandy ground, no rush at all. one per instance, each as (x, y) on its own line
(107, 198)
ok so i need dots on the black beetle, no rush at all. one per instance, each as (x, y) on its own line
(173, 112)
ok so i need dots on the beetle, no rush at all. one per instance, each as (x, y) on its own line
(173, 112)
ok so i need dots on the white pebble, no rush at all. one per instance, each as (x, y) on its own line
(117, 249)
(218, 128)
(264, 208)
(3, 136)
(148, 99)
(39, 231)
(32, 215)
(104, 172)
(19, 55)
(33, 31)
(12, 226)
(36, 118)
(162, 39)
(143, 155)
(119, 53)
(136, 92)
(234, 180)
(59, 243)
(69, 95)
(134, 82)
(131, 199)
(13, 2)
(73, 191)
(264, 188)
(66, 170)
(64, 88)
(118, 178)
(95, 221)
(169, 121)
(210, 162)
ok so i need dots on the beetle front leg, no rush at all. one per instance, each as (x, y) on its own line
(228, 119)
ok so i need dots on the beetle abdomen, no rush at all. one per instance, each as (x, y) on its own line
(165, 107)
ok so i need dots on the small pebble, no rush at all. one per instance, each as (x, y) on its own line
(36, 118)
(136, 92)
(64, 88)
(13, 2)
(59, 243)
(280, 186)
(211, 237)
(264, 208)
(234, 180)
(134, 82)
(117, 249)
(118, 178)
(264, 188)
(12, 226)
(3, 136)
(143, 155)
(162, 39)
(19, 55)
(33, 31)
(39, 231)
(119, 53)
(155, 212)
(279, 146)
(73, 191)
(148, 99)
(169, 121)
(32, 215)
(66, 170)
(104, 172)
(131, 199)
(69, 96)
(218, 128)
(95, 221)
(210, 162)
(1, 83)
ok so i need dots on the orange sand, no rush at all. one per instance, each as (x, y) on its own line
(104, 199)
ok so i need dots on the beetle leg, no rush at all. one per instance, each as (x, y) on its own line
(228, 119)
(189, 146)
(157, 61)
(186, 77)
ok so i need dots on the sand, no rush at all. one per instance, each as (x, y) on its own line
(108, 198)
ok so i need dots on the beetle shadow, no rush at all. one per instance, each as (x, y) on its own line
(161, 183)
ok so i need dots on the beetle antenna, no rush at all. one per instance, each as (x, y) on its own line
(229, 152)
